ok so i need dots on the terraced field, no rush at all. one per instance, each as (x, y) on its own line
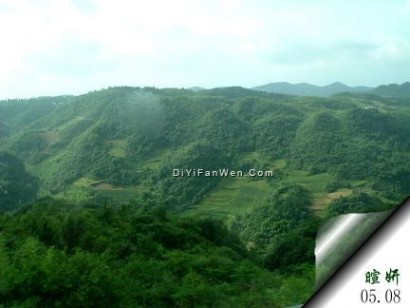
(232, 196)
(240, 195)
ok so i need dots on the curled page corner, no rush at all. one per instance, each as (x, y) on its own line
(340, 237)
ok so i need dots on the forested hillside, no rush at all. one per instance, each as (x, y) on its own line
(17, 186)
(114, 217)
(128, 140)
(60, 254)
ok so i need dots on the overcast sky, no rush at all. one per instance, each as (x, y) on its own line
(75, 46)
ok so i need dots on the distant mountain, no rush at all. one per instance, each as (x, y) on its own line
(393, 90)
(306, 89)
(196, 89)
(230, 92)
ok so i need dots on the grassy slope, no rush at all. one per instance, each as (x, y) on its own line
(118, 148)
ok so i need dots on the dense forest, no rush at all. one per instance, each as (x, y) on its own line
(59, 254)
(92, 214)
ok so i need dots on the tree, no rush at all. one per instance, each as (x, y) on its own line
(17, 186)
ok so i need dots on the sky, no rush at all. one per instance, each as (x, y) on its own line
(50, 47)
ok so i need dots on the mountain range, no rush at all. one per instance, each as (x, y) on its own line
(306, 89)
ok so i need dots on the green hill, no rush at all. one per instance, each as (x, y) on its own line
(134, 137)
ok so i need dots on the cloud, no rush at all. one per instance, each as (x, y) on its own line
(73, 46)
